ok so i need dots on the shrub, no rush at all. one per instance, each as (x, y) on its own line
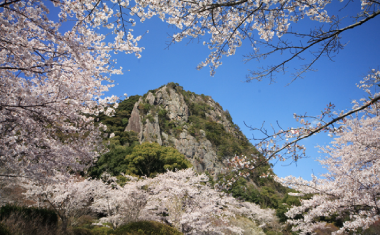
(125, 121)
(150, 118)
(151, 158)
(27, 221)
(144, 107)
(4, 230)
(146, 228)
(47, 217)
(113, 161)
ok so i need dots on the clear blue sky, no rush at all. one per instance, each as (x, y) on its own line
(255, 102)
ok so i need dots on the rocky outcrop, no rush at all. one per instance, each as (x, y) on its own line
(172, 102)
(134, 123)
(151, 132)
(200, 152)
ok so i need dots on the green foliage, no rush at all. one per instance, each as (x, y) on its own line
(128, 104)
(269, 232)
(18, 220)
(92, 231)
(334, 220)
(123, 138)
(264, 196)
(122, 114)
(284, 205)
(205, 97)
(213, 132)
(263, 191)
(226, 143)
(84, 227)
(101, 230)
(81, 231)
(150, 118)
(113, 161)
(173, 85)
(162, 114)
(199, 109)
(228, 115)
(48, 217)
(146, 228)
(121, 180)
(121, 144)
(125, 121)
(164, 121)
(144, 107)
(4, 230)
(151, 158)
(268, 197)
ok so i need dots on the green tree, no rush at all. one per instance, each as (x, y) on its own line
(150, 159)
(113, 161)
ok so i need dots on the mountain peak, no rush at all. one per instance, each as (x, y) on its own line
(194, 124)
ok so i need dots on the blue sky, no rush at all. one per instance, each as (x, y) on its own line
(256, 102)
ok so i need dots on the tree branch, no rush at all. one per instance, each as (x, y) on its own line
(373, 101)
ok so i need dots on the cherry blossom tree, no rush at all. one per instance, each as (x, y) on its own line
(352, 184)
(182, 199)
(121, 204)
(238, 167)
(69, 198)
(51, 81)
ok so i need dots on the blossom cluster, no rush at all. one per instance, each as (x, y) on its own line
(51, 82)
(352, 184)
(239, 167)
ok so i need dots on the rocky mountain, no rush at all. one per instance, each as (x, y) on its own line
(199, 128)
(195, 125)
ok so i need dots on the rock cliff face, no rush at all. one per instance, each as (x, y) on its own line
(173, 117)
